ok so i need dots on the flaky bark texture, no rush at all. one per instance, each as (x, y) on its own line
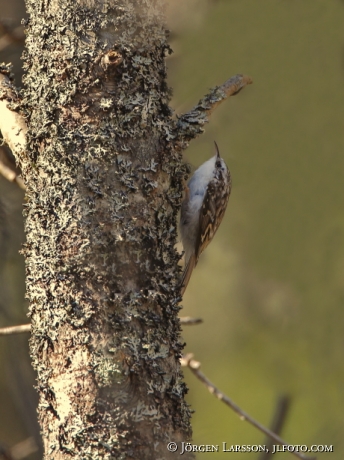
(104, 183)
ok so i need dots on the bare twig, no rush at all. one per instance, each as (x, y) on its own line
(12, 124)
(11, 36)
(5, 453)
(190, 125)
(188, 321)
(9, 170)
(15, 329)
(21, 450)
(281, 411)
(24, 448)
(194, 366)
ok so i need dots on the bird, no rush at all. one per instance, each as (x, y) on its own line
(202, 210)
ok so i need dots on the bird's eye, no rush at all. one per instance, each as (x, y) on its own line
(218, 164)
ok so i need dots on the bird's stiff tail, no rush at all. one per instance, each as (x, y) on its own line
(187, 273)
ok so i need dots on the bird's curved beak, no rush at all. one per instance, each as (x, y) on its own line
(217, 150)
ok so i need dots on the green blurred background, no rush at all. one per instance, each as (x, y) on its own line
(270, 287)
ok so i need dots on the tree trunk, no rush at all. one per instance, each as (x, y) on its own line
(104, 183)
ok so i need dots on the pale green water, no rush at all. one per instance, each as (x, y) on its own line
(271, 286)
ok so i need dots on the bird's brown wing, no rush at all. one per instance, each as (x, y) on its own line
(211, 214)
(207, 218)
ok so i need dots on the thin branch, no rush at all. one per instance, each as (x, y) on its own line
(12, 124)
(11, 36)
(194, 366)
(21, 450)
(15, 329)
(5, 453)
(188, 321)
(24, 448)
(9, 170)
(190, 125)
(280, 415)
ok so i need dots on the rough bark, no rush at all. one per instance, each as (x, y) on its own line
(104, 183)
